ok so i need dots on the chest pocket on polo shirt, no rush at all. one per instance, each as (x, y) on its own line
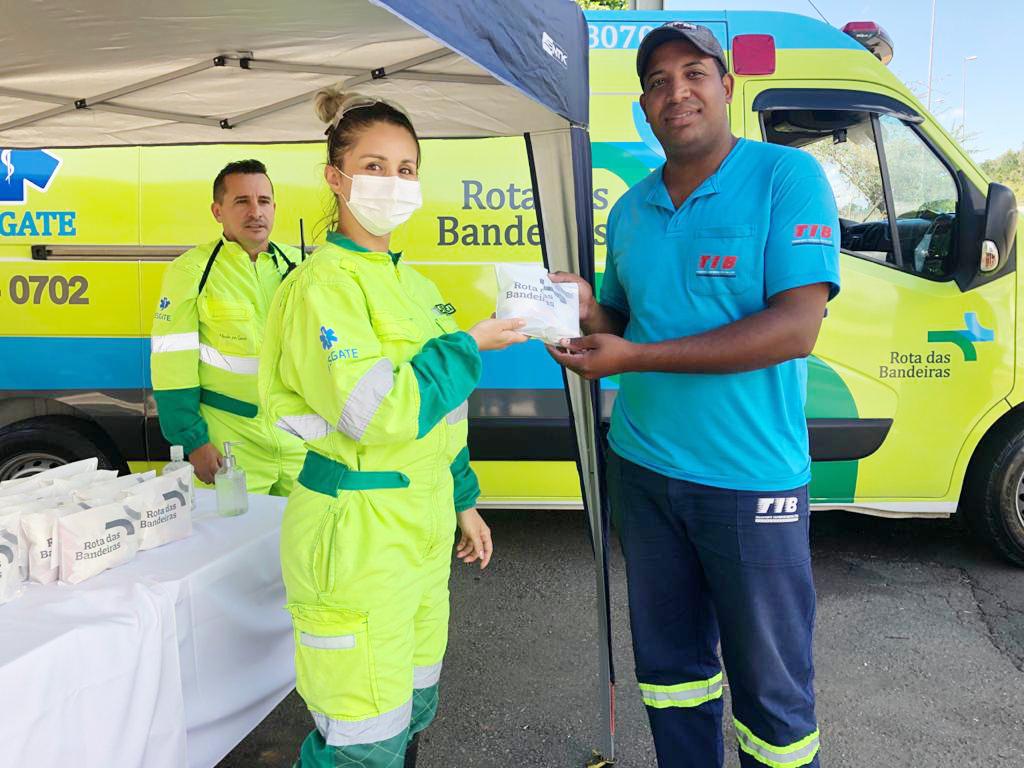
(722, 260)
(230, 325)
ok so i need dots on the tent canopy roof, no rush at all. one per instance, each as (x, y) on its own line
(115, 73)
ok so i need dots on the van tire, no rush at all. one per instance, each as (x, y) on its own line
(994, 492)
(45, 442)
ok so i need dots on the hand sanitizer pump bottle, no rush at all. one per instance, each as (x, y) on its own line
(232, 495)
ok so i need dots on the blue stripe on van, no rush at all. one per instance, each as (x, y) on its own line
(61, 362)
(64, 362)
(525, 366)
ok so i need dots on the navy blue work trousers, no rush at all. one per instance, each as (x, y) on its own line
(709, 566)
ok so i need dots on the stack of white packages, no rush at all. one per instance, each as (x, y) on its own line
(39, 523)
(47, 476)
(123, 517)
(76, 521)
(164, 507)
(111, 490)
(28, 496)
(92, 540)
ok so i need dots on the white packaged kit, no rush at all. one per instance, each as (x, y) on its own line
(65, 485)
(49, 475)
(39, 533)
(25, 488)
(10, 556)
(10, 520)
(551, 310)
(163, 508)
(113, 489)
(93, 540)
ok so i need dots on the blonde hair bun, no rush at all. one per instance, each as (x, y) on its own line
(327, 103)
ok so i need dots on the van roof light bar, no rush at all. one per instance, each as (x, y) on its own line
(873, 37)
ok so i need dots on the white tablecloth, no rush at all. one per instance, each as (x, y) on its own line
(165, 662)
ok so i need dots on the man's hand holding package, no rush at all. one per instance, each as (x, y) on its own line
(595, 356)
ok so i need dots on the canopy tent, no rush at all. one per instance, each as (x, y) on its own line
(110, 73)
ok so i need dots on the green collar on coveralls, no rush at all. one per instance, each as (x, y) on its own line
(338, 239)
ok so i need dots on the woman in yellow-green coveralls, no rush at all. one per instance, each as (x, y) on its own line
(363, 361)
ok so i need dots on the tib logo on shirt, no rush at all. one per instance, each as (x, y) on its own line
(781, 509)
(812, 234)
(716, 266)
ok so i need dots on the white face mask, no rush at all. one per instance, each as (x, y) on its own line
(381, 203)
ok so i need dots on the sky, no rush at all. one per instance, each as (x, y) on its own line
(989, 29)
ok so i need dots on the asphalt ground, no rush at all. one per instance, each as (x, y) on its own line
(919, 653)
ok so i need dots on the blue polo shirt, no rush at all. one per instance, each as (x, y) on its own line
(763, 223)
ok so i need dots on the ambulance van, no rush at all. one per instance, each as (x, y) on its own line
(915, 394)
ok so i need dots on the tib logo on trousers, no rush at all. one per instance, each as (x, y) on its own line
(782, 509)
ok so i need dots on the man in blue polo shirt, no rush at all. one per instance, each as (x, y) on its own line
(719, 267)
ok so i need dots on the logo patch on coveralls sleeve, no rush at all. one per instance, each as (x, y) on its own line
(327, 337)
(161, 313)
(783, 509)
(328, 340)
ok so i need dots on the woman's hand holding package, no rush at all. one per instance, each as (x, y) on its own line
(492, 335)
(475, 542)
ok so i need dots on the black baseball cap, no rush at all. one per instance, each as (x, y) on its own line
(700, 37)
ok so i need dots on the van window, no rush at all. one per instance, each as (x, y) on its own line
(924, 197)
(850, 162)
(885, 179)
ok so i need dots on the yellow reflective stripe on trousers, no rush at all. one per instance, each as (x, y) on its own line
(230, 363)
(174, 342)
(348, 733)
(791, 756)
(690, 694)
(365, 398)
(424, 677)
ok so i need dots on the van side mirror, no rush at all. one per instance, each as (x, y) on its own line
(1000, 228)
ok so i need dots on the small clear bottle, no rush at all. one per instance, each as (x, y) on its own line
(178, 462)
(232, 494)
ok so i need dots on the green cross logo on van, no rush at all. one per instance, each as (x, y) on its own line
(966, 338)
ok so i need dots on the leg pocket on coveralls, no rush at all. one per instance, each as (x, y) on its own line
(334, 666)
(326, 544)
(774, 527)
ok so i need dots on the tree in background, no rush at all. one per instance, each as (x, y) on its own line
(602, 5)
(1008, 169)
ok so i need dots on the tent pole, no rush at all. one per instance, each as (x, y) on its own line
(582, 398)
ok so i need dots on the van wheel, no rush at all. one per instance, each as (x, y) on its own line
(994, 493)
(35, 445)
